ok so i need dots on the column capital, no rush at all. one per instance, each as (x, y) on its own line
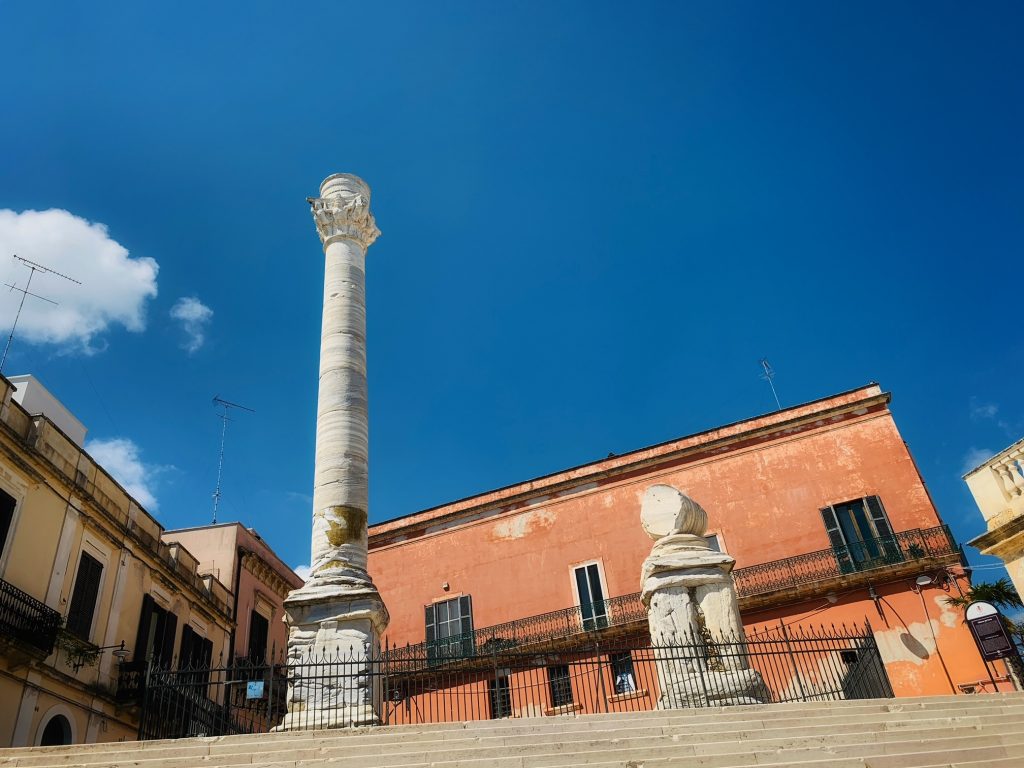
(343, 211)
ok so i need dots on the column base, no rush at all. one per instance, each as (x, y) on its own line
(333, 656)
(725, 687)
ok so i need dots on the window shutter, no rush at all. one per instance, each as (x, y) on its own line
(595, 584)
(878, 517)
(186, 655)
(835, 535)
(83, 598)
(7, 505)
(429, 611)
(205, 652)
(142, 635)
(259, 628)
(167, 641)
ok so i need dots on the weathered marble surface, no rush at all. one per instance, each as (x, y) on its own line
(339, 613)
(691, 601)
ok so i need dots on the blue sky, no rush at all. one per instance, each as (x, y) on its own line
(595, 221)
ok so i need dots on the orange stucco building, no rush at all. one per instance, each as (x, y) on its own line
(821, 505)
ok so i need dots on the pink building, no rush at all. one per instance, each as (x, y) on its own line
(257, 578)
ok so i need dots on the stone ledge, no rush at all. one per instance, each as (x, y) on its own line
(642, 693)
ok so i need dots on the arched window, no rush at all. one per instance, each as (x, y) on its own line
(56, 732)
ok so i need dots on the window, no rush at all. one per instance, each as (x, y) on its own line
(195, 657)
(83, 596)
(196, 650)
(860, 534)
(259, 628)
(450, 628)
(593, 608)
(155, 638)
(501, 697)
(713, 542)
(623, 677)
(7, 505)
(561, 685)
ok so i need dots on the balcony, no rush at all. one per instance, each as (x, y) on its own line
(843, 567)
(606, 616)
(769, 583)
(27, 621)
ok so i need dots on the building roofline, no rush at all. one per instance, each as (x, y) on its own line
(622, 460)
(997, 454)
(251, 531)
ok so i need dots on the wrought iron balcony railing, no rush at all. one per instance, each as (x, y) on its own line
(903, 547)
(27, 620)
(545, 627)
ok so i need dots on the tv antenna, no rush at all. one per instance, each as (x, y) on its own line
(225, 406)
(33, 268)
(769, 375)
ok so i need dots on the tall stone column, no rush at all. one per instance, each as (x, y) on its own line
(692, 611)
(338, 616)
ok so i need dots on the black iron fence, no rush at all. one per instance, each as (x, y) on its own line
(776, 666)
(26, 619)
(903, 547)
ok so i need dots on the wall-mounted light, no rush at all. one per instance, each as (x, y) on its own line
(445, 586)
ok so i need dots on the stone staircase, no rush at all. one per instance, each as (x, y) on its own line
(975, 731)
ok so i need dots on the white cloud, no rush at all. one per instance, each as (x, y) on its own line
(980, 410)
(194, 316)
(120, 457)
(114, 289)
(302, 571)
(974, 457)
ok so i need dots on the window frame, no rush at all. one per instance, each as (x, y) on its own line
(16, 492)
(595, 621)
(95, 552)
(560, 686)
(862, 553)
(257, 658)
(614, 662)
(499, 695)
(439, 648)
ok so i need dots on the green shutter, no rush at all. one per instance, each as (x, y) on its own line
(429, 610)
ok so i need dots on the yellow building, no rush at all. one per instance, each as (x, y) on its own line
(83, 570)
(998, 490)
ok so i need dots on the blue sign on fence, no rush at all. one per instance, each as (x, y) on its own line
(254, 689)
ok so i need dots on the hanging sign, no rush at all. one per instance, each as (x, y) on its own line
(989, 631)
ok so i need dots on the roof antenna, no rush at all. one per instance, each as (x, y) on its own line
(768, 375)
(223, 416)
(33, 268)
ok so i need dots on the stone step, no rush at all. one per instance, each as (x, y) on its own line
(712, 714)
(908, 754)
(511, 733)
(799, 728)
(649, 748)
(757, 716)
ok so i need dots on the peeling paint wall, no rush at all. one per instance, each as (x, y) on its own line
(763, 495)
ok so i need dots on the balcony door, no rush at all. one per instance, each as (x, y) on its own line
(593, 608)
(860, 534)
